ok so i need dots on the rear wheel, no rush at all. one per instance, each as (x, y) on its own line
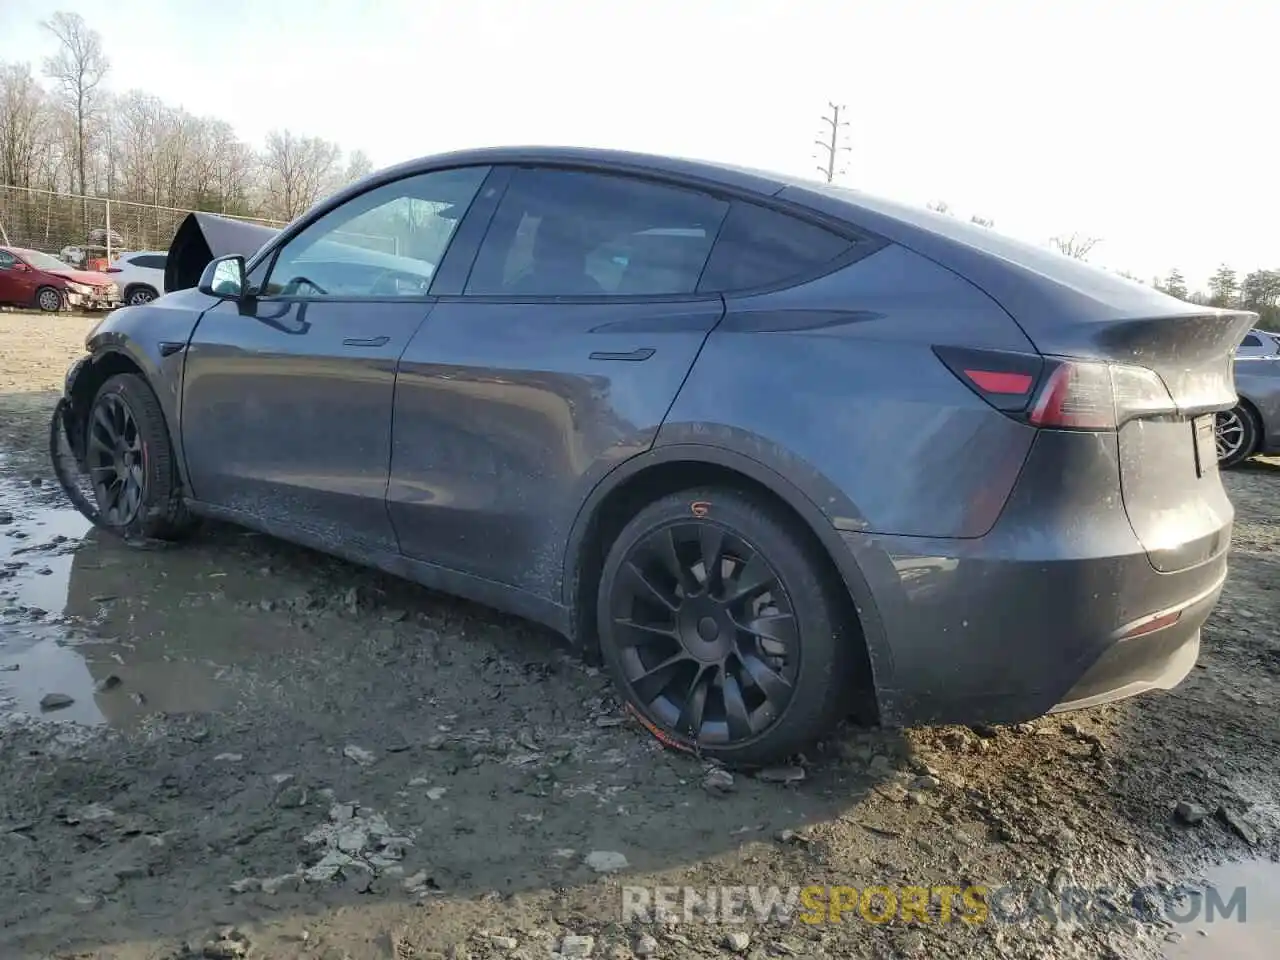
(48, 299)
(722, 629)
(1236, 435)
(136, 296)
(130, 463)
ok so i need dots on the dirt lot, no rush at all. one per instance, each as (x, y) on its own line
(337, 765)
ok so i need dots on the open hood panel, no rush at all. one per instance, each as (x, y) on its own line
(203, 237)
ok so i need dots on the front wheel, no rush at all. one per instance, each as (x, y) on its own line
(48, 299)
(130, 463)
(1235, 434)
(721, 627)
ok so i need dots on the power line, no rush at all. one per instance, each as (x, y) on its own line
(830, 142)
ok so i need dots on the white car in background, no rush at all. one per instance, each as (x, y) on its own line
(140, 275)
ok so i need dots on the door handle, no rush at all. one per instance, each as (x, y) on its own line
(370, 342)
(642, 353)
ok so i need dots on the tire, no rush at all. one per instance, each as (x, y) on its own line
(155, 511)
(48, 299)
(139, 294)
(1236, 434)
(701, 639)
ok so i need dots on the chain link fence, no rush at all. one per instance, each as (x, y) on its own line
(81, 230)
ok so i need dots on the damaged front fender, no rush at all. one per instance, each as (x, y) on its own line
(69, 411)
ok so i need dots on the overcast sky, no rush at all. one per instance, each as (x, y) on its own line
(1148, 123)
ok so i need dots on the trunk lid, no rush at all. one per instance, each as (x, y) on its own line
(1169, 477)
(1193, 352)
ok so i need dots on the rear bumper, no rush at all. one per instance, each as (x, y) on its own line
(1043, 614)
(1159, 660)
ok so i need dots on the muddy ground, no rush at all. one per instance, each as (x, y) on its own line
(272, 752)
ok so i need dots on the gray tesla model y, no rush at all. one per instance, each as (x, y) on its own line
(775, 451)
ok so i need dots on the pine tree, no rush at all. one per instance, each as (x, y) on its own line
(1223, 286)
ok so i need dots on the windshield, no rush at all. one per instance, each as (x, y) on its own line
(42, 261)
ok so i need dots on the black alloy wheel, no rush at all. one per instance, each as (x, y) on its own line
(717, 622)
(710, 633)
(117, 460)
(129, 464)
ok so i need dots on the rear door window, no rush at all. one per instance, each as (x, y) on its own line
(759, 247)
(568, 233)
(149, 261)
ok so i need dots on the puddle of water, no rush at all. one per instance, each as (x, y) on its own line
(114, 683)
(38, 547)
(51, 565)
(44, 666)
(1226, 936)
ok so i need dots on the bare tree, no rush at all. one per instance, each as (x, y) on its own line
(298, 169)
(940, 206)
(139, 119)
(1076, 246)
(234, 169)
(830, 142)
(982, 221)
(78, 68)
(359, 166)
(24, 128)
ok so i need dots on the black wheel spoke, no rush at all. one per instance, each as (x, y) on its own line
(711, 541)
(776, 632)
(666, 550)
(750, 581)
(648, 588)
(650, 684)
(737, 716)
(636, 633)
(102, 418)
(773, 684)
(98, 445)
(132, 497)
(113, 495)
(695, 701)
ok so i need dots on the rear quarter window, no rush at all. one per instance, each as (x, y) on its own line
(149, 261)
(759, 247)
(1251, 341)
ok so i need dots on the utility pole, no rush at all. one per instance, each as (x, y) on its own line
(830, 142)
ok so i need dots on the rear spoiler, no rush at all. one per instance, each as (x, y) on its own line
(203, 237)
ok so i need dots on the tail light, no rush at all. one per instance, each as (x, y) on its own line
(1060, 394)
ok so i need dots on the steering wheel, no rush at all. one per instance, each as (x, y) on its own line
(387, 284)
(292, 287)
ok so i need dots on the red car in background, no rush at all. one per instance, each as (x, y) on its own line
(29, 278)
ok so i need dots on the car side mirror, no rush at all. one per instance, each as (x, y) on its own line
(224, 278)
(22, 268)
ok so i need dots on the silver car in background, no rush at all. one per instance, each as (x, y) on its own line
(1252, 427)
